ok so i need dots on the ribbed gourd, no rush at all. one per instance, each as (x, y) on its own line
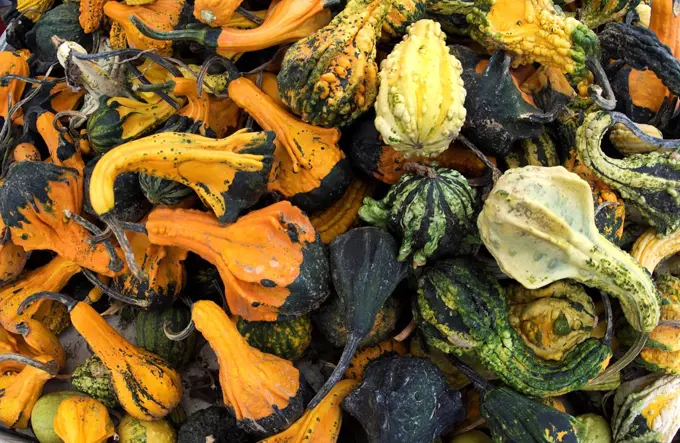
(149, 334)
(431, 210)
(551, 320)
(287, 339)
(461, 309)
(83, 420)
(419, 108)
(627, 143)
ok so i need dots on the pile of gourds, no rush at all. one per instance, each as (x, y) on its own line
(340, 220)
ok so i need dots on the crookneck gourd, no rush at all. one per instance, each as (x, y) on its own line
(365, 272)
(537, 238)
(264, 392)
(229, 174)
(341, 215)
(404, 399)
(287, 339)
(461, 309)
(19, 391)
(271, 260)
(309, 167)
(37, 201)
(645, 409)
(648, 182)
(83, 420)
(286, 21)
(330, 77)
(532, 31)
(417, 113)
(431, 210)
(145, 384)
(160, 16)
(498, 111)
(51, 277)
(551, 320)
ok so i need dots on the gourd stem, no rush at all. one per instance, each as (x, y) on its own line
(250, 120)
(420, 170)
(609, 318)
(119, 233)
(45, 295)
(116, 264)
(92, 278)
(134, 54)
(8, 77)
(206, 37)
(628, 357)
(674, 323)
(477, 380)
(602, 85)
(166, 86)
(134, 227)
(339, 371)
(49, 367)
(181, 335)
(495, 172)
(232, 71)
(133, 69)
(249, 15)
(71, 123)
(660, 143)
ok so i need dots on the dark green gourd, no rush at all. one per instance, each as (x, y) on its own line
(365, 272)
(431, 210)
(150, 336)
(159, 191)
(404, 399)
(461, 309)
(288, 339)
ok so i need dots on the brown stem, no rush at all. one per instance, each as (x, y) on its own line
(406, 332)
(420, 170)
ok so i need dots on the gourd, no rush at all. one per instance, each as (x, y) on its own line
(595, 13)
(13, 89)
(454, 377)
(145, 385)
(33, 9)
(264, 392)
(281, 243)
(537, 239)
(357, 366)
(287, 339)
(650, 249)
(51, 277)
(13, 258)
(62, 21)
(132, 430)
(120, 120)
(21, 390)
(214, 423)
(229, 175)
(161, 15)
(330, 78)
(401, 15)
(94, 379)
(431, 210)
(83, 420)
(42, 415)
(417, 113)
(160, 191)
(321, 423)
(149, 327)
(286, 21)
(403, 398)
(309, 167)
(627, 143)
(130, 204)
(91, 14)
(551, 320)
(365, 272)
(540, 151)
(532, 31)
(644, 409)
(498, 112)
(648, 182)
(597, 428)
(471, 437)
(215, 14)
(36, 200)
(342, 215)
(461, 309)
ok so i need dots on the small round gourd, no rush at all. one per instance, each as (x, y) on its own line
(287, 339)
(150, 335)
(419, 109)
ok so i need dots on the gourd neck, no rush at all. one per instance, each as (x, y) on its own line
(104, 340)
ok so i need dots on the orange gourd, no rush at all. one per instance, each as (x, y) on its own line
(11, 90)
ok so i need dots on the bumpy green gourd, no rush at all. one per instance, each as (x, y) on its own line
(649, 182)
(461, 309)
(551, 320)
(93, 378)
(430, 210)
(647, 409)
(538, 223)
(287, 339)
(419, 108)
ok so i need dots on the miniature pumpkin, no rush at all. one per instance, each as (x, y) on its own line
(83, 420)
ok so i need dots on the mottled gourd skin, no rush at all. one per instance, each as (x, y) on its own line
(431, 215)
(647, 409)
(551, 320)
(330, 77)
(400, 16)
(662, 350)
(420, 113)
(595, 13)
(287, 339)
(93, 378)
(538, 223)
(404, 399)
(461, 309)
(649, 182)
(628, 143)
(150, 336)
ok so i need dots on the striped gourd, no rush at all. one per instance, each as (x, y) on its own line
(430, 210)
(150, 335)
